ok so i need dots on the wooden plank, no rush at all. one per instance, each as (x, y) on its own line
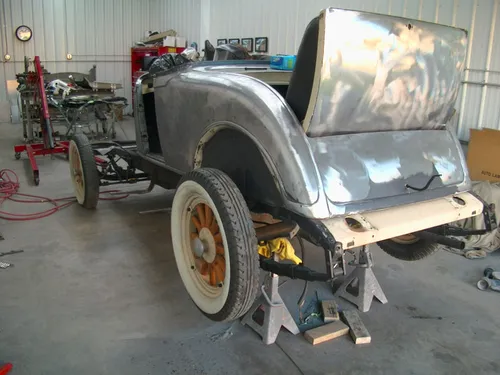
(326, 332)
(359, 333)
(330, 311)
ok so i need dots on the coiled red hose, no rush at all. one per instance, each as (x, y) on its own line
(9, 191)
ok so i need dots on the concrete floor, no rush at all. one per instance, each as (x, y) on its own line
(98, 292)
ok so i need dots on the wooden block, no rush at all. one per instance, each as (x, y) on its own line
(359, 333)
(330, 311)
(326, 332)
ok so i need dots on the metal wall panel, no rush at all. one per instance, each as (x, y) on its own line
(283, 22)
(102, 31)
(97, 32)
(181, 15)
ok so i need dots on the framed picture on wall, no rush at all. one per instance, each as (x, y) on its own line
(234, 41)
(221, 41)
(247, 43)
(261, 44)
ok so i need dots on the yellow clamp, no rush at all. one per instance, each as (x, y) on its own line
(280, 246)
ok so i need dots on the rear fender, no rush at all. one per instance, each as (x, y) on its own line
(249, 166)
(218, 101)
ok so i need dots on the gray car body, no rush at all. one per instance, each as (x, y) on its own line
(388, 131)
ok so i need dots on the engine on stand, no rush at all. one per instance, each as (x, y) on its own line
(35, 109)
(30, 101)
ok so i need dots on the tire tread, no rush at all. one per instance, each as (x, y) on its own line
(409, 252)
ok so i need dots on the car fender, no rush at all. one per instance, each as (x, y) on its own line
(222, 100)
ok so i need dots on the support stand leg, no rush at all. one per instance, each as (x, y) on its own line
(276, 314)
(29, 126)
(363, 283)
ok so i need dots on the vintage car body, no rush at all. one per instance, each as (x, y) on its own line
(356, 131)
(349, 149)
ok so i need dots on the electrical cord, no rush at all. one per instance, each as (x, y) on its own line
(9, 191)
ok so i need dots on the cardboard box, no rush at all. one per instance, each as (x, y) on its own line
(169, 41)
(180, 41)
(483, 156)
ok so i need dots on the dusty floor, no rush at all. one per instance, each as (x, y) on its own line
(99, 293)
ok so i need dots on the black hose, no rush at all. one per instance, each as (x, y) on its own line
(443, 240)
(302, 297)
(426, 185)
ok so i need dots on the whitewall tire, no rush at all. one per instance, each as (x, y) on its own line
(214, 244)
(83, 171)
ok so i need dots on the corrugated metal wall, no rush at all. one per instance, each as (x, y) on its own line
(94, 31)
(102, 31)
(284, 21)
(180, 15)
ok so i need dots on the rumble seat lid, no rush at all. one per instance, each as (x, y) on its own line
(378, 72)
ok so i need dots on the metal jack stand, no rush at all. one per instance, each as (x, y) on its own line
(364, 282)
(276, 313)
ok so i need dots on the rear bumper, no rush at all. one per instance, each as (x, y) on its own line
(380, 225)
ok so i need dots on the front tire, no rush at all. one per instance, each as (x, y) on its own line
(215, 245)
(83, 171)
(408, 247)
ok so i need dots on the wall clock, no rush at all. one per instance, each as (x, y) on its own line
(24, 33)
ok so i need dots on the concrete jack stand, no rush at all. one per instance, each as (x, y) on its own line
(276, 314)
(364, 282)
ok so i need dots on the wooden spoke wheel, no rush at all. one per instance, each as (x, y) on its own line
(83, 171)
(214, 244)
(207, 245)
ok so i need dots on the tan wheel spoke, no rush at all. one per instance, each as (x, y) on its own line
(204, 268)
(214, 228)
(219, 274)
(196, 223)
(209, 226)
(218, 238)
(198, 262)
(211, 271)
(201, 215)
(219, 249)
(222, 262)
(208, 216)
